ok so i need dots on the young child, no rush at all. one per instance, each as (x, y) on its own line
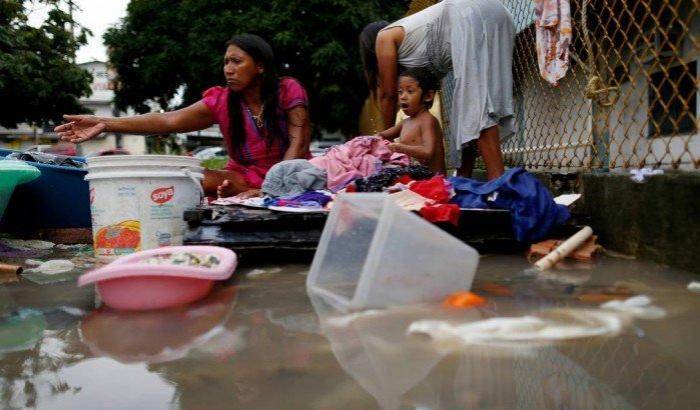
(419, 135)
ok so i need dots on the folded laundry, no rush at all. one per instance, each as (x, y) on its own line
(410, 201)
(533, 210)
(360, 157)
(293, 177)
(256, 202)
(310, 199)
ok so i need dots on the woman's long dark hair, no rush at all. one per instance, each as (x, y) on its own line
(262, 54)
(368, 39)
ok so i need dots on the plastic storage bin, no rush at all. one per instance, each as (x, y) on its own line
(58, 199)
(13, 173)
(373, 254)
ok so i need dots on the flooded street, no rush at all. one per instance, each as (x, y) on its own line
(260, 342)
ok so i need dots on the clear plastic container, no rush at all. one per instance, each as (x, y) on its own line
(373, 254)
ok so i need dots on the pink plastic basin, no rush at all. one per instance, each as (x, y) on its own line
(128, 283)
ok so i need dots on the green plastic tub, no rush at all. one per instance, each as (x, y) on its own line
(13, 173)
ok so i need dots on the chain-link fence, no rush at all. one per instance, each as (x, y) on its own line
(629, 99)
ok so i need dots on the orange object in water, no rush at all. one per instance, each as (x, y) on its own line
(495, 289)
(464, 300)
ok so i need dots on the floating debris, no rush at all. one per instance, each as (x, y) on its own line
(561, 324)
(638, 306)
(54, 266)
(185, 258)
(27, 245)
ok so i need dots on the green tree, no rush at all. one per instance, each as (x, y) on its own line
(161, 45)
(39, 80)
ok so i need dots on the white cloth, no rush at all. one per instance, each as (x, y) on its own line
(553, 37)
(638, 306)
(582, 323)
(474, 40)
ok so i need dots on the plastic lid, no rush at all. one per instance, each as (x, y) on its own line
(22, 171)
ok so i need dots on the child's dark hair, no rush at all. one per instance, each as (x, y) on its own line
(425, 79)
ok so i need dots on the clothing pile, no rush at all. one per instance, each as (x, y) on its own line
(430, 199)
(365, 164)
(293, 177)
(389, 176)
(46, 158)
(532, 207)
(309, 199)
(358, 158)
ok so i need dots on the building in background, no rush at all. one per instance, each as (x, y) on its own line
(102, 105)
(100, 102)
(629, 99)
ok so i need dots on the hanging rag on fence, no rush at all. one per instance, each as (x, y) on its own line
(357, 158)
(532, 208)
(553, 36)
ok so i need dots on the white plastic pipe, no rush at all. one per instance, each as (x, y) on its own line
(563, 250)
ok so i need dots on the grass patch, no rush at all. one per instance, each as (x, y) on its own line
(215, 163)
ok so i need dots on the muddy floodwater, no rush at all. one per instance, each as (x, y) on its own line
(260, 342)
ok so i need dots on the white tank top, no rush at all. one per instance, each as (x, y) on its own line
(413, 51)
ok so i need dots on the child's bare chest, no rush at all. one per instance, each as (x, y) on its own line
(410, 133)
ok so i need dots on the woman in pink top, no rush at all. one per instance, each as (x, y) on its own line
(264, 119)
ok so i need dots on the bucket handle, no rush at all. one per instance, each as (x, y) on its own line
(197, 183)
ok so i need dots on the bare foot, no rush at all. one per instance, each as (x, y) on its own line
(225, 190)
(251, 193)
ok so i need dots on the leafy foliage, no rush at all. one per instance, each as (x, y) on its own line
(39, 80)
(162, 45)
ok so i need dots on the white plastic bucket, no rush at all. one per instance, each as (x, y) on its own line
(137, 201)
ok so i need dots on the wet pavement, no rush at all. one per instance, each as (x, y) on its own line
(259, 342)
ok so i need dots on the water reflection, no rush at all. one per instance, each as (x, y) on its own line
(265, 345)
(161, 335)
(624, 371)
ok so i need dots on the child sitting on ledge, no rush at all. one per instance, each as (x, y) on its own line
(419, 136)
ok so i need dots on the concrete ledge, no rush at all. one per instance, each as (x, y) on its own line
(656, 220)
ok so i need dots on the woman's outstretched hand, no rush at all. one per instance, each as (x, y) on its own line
(80, 128)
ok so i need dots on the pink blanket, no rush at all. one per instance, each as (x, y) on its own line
(358, 158)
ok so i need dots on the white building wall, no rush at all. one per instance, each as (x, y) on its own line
(100, 102)
(630, 145)
(555, 124)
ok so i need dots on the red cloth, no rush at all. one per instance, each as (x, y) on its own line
(441, 213)
(433, 188)
(404, 179)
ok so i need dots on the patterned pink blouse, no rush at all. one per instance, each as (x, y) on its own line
(255, 157)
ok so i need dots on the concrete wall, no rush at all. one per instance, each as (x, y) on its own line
(654, 220)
